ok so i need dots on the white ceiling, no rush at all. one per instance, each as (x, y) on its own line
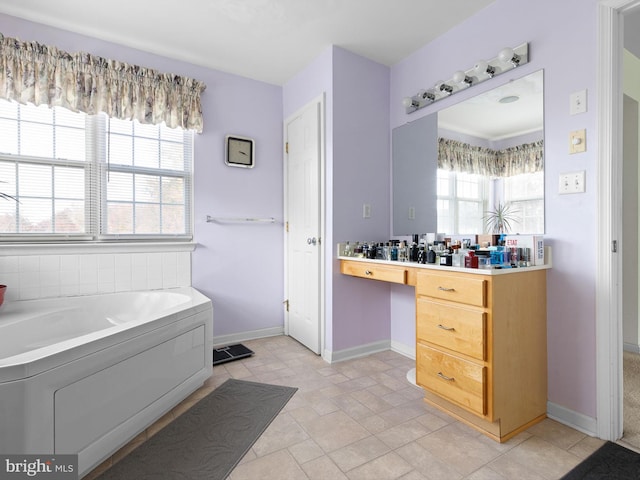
(266, 40)
(484, 116)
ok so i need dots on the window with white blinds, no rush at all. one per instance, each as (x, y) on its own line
(90, 177)
(525, 192)
(461, 201)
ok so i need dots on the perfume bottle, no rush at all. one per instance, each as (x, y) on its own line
(471, 261)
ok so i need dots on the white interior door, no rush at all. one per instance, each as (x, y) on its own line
(303, 220)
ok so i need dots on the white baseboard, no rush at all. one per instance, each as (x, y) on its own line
(403, 349)
(630, 347)
(575, 420)
(355, 352)
(222, 340)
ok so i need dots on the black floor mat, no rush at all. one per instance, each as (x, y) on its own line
(229, 353)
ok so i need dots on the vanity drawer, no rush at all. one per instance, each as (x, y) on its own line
(457, 288)
(459, 381)
(374, 272)
(456, 328)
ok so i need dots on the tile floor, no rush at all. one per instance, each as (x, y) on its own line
(361, 419)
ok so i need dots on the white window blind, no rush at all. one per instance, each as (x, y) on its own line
(91, 177)
(525, 192)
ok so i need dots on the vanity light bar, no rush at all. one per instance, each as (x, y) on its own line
(507, 59)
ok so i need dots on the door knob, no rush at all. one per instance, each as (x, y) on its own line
(312, 241)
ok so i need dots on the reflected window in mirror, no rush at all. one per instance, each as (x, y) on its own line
(474, 180)
(526, 193)
(462, 199)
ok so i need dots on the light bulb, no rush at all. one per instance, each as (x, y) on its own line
(480, 67)
(409, 102)
(507, 55)
(460, 77)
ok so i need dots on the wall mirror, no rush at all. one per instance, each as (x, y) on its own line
(454, 167)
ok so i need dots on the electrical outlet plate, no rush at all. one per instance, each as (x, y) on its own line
(412, 213)
(578, 141)
(572, 182)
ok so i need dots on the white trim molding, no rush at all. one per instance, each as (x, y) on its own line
(355, 352)
(402, 349)
(578, 421)
(222, 340)
(609, 342)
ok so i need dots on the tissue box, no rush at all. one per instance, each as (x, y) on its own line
(535, 244)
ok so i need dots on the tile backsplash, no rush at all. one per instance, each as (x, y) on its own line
(30, 277)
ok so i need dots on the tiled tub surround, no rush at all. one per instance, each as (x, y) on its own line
(86, 374)
(34, 276)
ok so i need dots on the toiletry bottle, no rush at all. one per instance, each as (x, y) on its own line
(471, 261)
(456, 256)
(347, 250)
(413, 252)
(431, 255)
(422, 256)
(402, 252)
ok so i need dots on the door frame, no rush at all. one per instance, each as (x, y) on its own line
(320, 102)
(609, 343)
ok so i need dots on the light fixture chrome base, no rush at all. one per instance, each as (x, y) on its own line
(506, 60)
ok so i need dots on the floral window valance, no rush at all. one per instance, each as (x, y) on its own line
(462, 157)
(41, 74)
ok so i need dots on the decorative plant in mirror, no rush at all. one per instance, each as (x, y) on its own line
(6, 196)
(499, 219)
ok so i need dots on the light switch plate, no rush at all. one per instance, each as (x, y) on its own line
(578, 102)
(571, 182)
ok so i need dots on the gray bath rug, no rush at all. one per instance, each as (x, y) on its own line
(610, 462)
(209, 440)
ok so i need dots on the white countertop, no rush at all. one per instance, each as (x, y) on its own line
(476, 271)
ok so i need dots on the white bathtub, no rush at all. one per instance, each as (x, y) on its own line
(86, 374)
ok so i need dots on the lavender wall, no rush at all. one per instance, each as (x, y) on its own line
(562, 40)
(357, 172)
(239, 266)
(361, 174)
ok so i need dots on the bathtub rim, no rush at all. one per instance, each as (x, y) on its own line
(28, 364)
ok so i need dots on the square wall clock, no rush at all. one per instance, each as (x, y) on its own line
(239, 151)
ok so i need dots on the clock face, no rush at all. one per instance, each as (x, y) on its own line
(239, 152)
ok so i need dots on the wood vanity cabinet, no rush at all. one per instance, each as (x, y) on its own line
(481, 347)
(374, 272)
(481, 343)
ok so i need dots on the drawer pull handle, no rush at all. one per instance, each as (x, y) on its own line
(368, 272)
(448, 329)
(444, 377)
(445, 289)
